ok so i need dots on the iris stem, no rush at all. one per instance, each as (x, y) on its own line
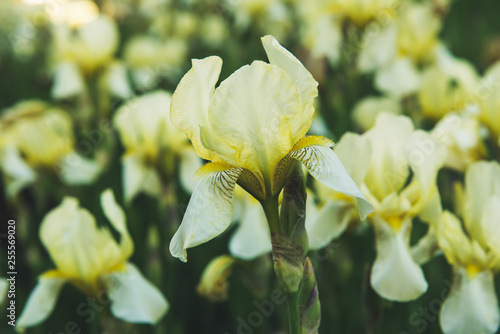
(293, 312)
(270, 206)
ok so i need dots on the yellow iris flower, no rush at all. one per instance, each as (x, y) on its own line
(252, 129)
(396, 167)
(152, 142)
(472, 305)
(91, 259)
(35, 135)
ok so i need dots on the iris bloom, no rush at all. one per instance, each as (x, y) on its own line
(151, 142)
(252, 129)
(91, 259)
(36, 135)
(472, 305)
(83, 43)
(396, 167)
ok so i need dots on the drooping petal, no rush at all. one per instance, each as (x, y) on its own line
(252, 237)
(42, 300)
(133, 297)
(19, 172)
(250, 112)
(76, 170)
(471, 305)
(210, 208)
(68, 81)
(116, 216)
(426, 248)
(189, 107)
(138, 177)
(303, 80)
(316, 154)
(399, 78)
(395, 275)
(117, 80)
(328, 222)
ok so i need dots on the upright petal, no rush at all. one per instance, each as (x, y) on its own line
(395, 275)
(79, 249)
(304, 81)
(210, 208)
(388, 170)
(42, 300)
(250, 112)
(189, 106)
(491, 224)
(356, 164)
(116, 216)
(138, 177)
(399, 78)
(471, 305)
(316, 154)
(133, 298)
(482, 180)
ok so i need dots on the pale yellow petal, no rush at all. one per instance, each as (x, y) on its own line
(356, 164)
(133, 297)
(250, 112)
(399, 78)
(455, 245)
(19, 173)
(190, 162)
(366, 111)
(209, 211)
(328, 222)
(471, 305)
(482, 180)
(491, 224)
(68, 81)
(303, 80)
(75, 169)
(78, 248)
(116, 216)
(388, 170)
(138, 177)
(395, 275)
(325, 166)
(41, 301)
(379, 49)
(252, 237)
(189, 108)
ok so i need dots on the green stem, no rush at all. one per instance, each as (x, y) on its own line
(293, 312)
(270, 206)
